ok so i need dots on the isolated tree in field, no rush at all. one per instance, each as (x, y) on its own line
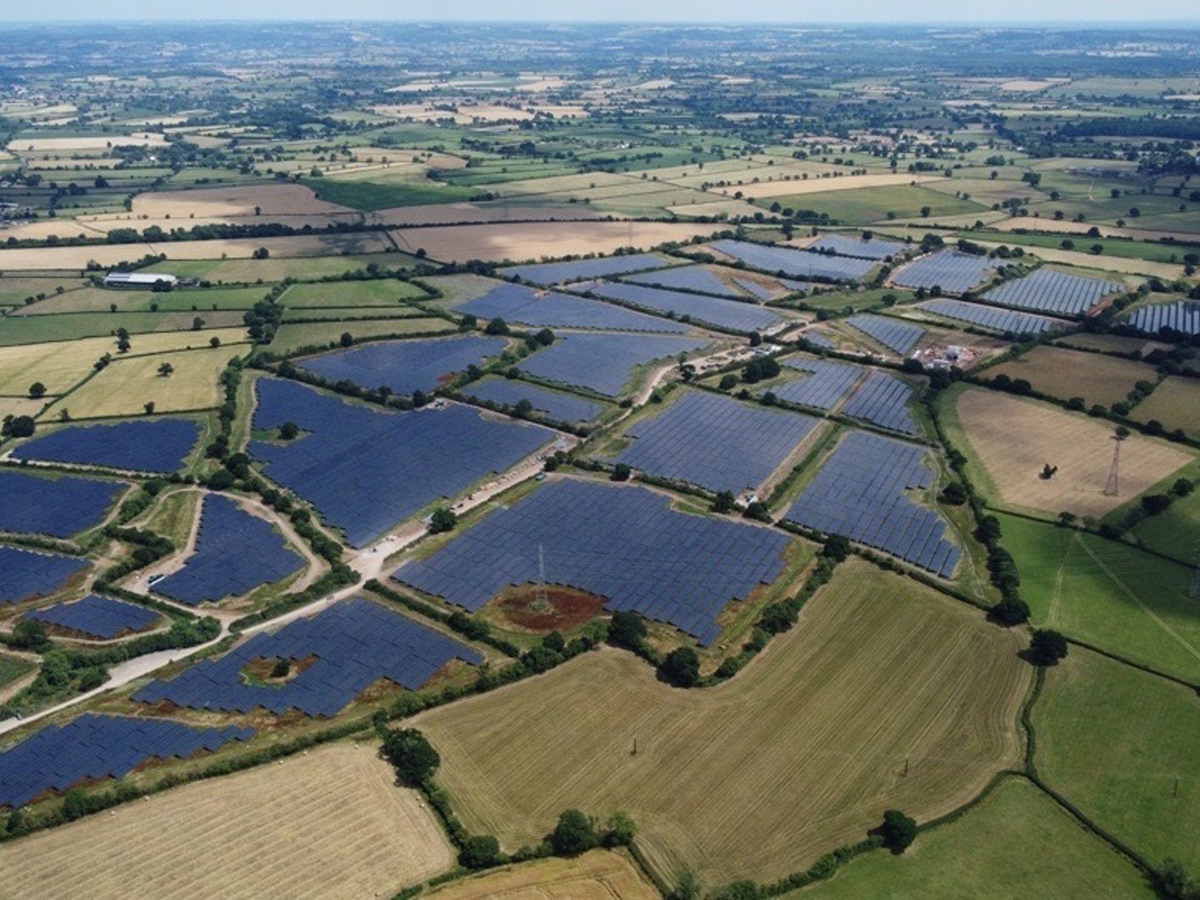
(197, 323)
(681, 667)
(214, 342)
(149, 408)
(479, 851)
(166, 370)
(347, 339)
(1047, 647)
(37, 390)
(574, 834)
(262, 253)
(442, 520)
(412, 756)
(289, 431)
(282, 668)
(898, 831)
(626, 629)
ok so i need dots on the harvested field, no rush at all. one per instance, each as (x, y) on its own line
(1075, 373)
(799, 186)
(1175, 403)
(1111, 343)
(272, 200)
(301, 268)
(294, 336)
(1127, 266)
(17, 406)
(96, 142)
(1014, 438)
(46, 329)
(801, 752)
(596, 875)
(327, 824)
(460, 213)
(93, 299)
(521, 242)
(13, 291)
(125, 385)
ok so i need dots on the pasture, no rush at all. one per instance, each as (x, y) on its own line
(1016, 843)
(293, 336)
(14, 291)
(1009, 471)
(1175, 403)
(874, 204)
(69, 327)
(373, 293)
(101, 300)
(1108, 594)
(1064, 373)
(881, 662)
(327, 824)
(1175, 532)
(252, 271)
(596, 875)
(1123, 745)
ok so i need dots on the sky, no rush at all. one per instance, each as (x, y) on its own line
(789, 11)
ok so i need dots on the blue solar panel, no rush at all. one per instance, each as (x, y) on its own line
(235, 553)
(367, 470)
(687, 278)
(883, 400)
(94, 747)
(727, 314)
(58, 507)
(893, 334)
(862, 493)
(825, 385)
(1004, 320)
(716, 442)
(28, 574)
(847, 245)
(405, 366)
(554, 405)
(793, 262)
(950, 270)
(158, 446)
(1058, 293)
(623, 543)
(340, 652)
(1183, 317)
(603, 362)
(578, 270)
(524, 305)
(96, 617)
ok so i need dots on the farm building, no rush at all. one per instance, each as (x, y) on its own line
(138, 279)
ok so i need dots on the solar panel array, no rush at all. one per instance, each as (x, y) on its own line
(818, 340)
(892, 333)
(845, 245)
(882, 400)
(603, 362)
(860, 493)
(521, 304)
(1183, 317)
(28, 574)
(825, 385)
(96, 616)
(797, 263)
(405, 366)
(622, 543)
(578, 270)
(235, 553)
(728, 314)
(160, 445)
(555, 405)
(94, 747)
(367, 470)
(714, 441)
(342, 651)
(950, 270)
(1049, 291)
(58, 507)
(686, 278)
(990, 317)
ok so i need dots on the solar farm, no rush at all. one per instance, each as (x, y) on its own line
(1051, 291)
(101, 618)
(885, 401)
(795, 263)
(603, 363)
(823, 386)
(898, 336)
(29, 574)
(160, 446)
(953, 272)
(724, 314)
(584, 269)
(558, 406)
(550, 309)
(1002, 320)
(1183, 317)
(405, 366)
(864, 248)
(57, 507)
(697, 279)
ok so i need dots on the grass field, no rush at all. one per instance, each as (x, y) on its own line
(249, 271)
(1016, 843)
(1108, 594)
(371, 195)
(596, 875)
(327, 824)
(873, 204)
(291, 337)
(44, 329)
(1123, 745)
(199, 301)
(13, 291)
(380, 292)
(13, 668)
(1076, 373)
(1175, 403)
(799, 753)
(1169, 271)
(125, 385)
(1080, 446)
(1175, 532)
(1125, 249)
(1109, 343)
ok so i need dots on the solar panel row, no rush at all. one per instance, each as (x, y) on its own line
(520, 304)
(334, 655)
(793, 262)
(405, 366)
(1046, 290)
(861, 493)
(603, 362)
(96, 616)
(622, 543)
(1003, 320)
(686, 278)
(866, 248)
(948, 269)
(826, 383)
(1183, 317)
(882, 400)
(94, 747)
(892, 333)
(727, 314)
(767, 292)
(555, 405)
(160, 445)
(57, 507)
(578, 270)
(28, 574)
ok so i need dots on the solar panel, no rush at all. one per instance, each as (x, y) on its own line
(524, 305)
(28, 574)
(1183, 317)
(893, 334)
(554, 405)
(580, 269)
(950, 270)
(159, 446)
(727, 314)
(603, 362)
(687, 278)
(96, 617)
(1004, 320)
(883, 400)
(1059, 293)
(865, 248)
(825, 385)
(793, 262)
(405, 366)
(57, 507)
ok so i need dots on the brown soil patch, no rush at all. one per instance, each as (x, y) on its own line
(567, 608)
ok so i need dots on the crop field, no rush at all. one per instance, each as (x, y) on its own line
(596, 875)
(873, 204)
(514, 760)
(999, 850)
(1110, 343)
(1113, 264)
(99, 300)
(1175, 403)
(330, 823)
(1123, 746)
(1074, 373)
(377, 293)
(1108, 594)
(1080, 446)
(780, 188)
(293, 336)
(124, 386)
(260, 200)
(250, 271)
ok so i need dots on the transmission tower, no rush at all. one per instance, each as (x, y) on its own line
(1113, 486)
(541, 599)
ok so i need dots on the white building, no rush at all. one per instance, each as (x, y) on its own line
(138, 279)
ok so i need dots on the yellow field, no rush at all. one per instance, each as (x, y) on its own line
(272, 199)
(521, 242)
(98, 142)
(1074, 373)
(328, 824)
(1167, 271)
(1014, 438)
(596, 875)
(63, 364)
(453, 213)
(15, 406)
(799, 753)
(1175, 403)
(125, 385)
(780, 188)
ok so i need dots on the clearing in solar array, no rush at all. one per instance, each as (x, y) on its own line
(521, 304)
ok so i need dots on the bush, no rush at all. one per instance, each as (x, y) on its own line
(479, 851)
(898, 831)
(619, 830)
(837, 547)
(30, 634)
(574, 834)
(626, 630)
(1047, 647)
(442, 520)
(411, 755)
(681, 667)
(1011, 611)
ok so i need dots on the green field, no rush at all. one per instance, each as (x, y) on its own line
(370, 195)
(1016, 843)
(866, 205)
(1125, 747)
(308, 268)
(837, 301)
(14, 291)
(376, 293)
(292, 337)
(69, 326)
(1175, 403)
(1108, 594)
(101, 300)
(1175, 532)
(12, 668)
(1127, 249)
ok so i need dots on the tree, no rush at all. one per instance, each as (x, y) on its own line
(412, 756)
(149, 408)
(221, 480)
(29, 634)
(1047, 647)
(681, 667)
(347, 339)
(197, 323)
(545, 337)
(898, 830)
(1182, 487)
(724, 502)
(442, 520)
(621, 472)
(214, 342)
(479, 851)
(626, 629)
(1011, 611)
(836, 547)
(523, 409)
(37, 390)
(574, 834)
(496, 326)
(282, 668)
(954, 494)
(262, 253)
(18, 426)
(619, 830)
(289, 431)
(728, 381)
(165, 370)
